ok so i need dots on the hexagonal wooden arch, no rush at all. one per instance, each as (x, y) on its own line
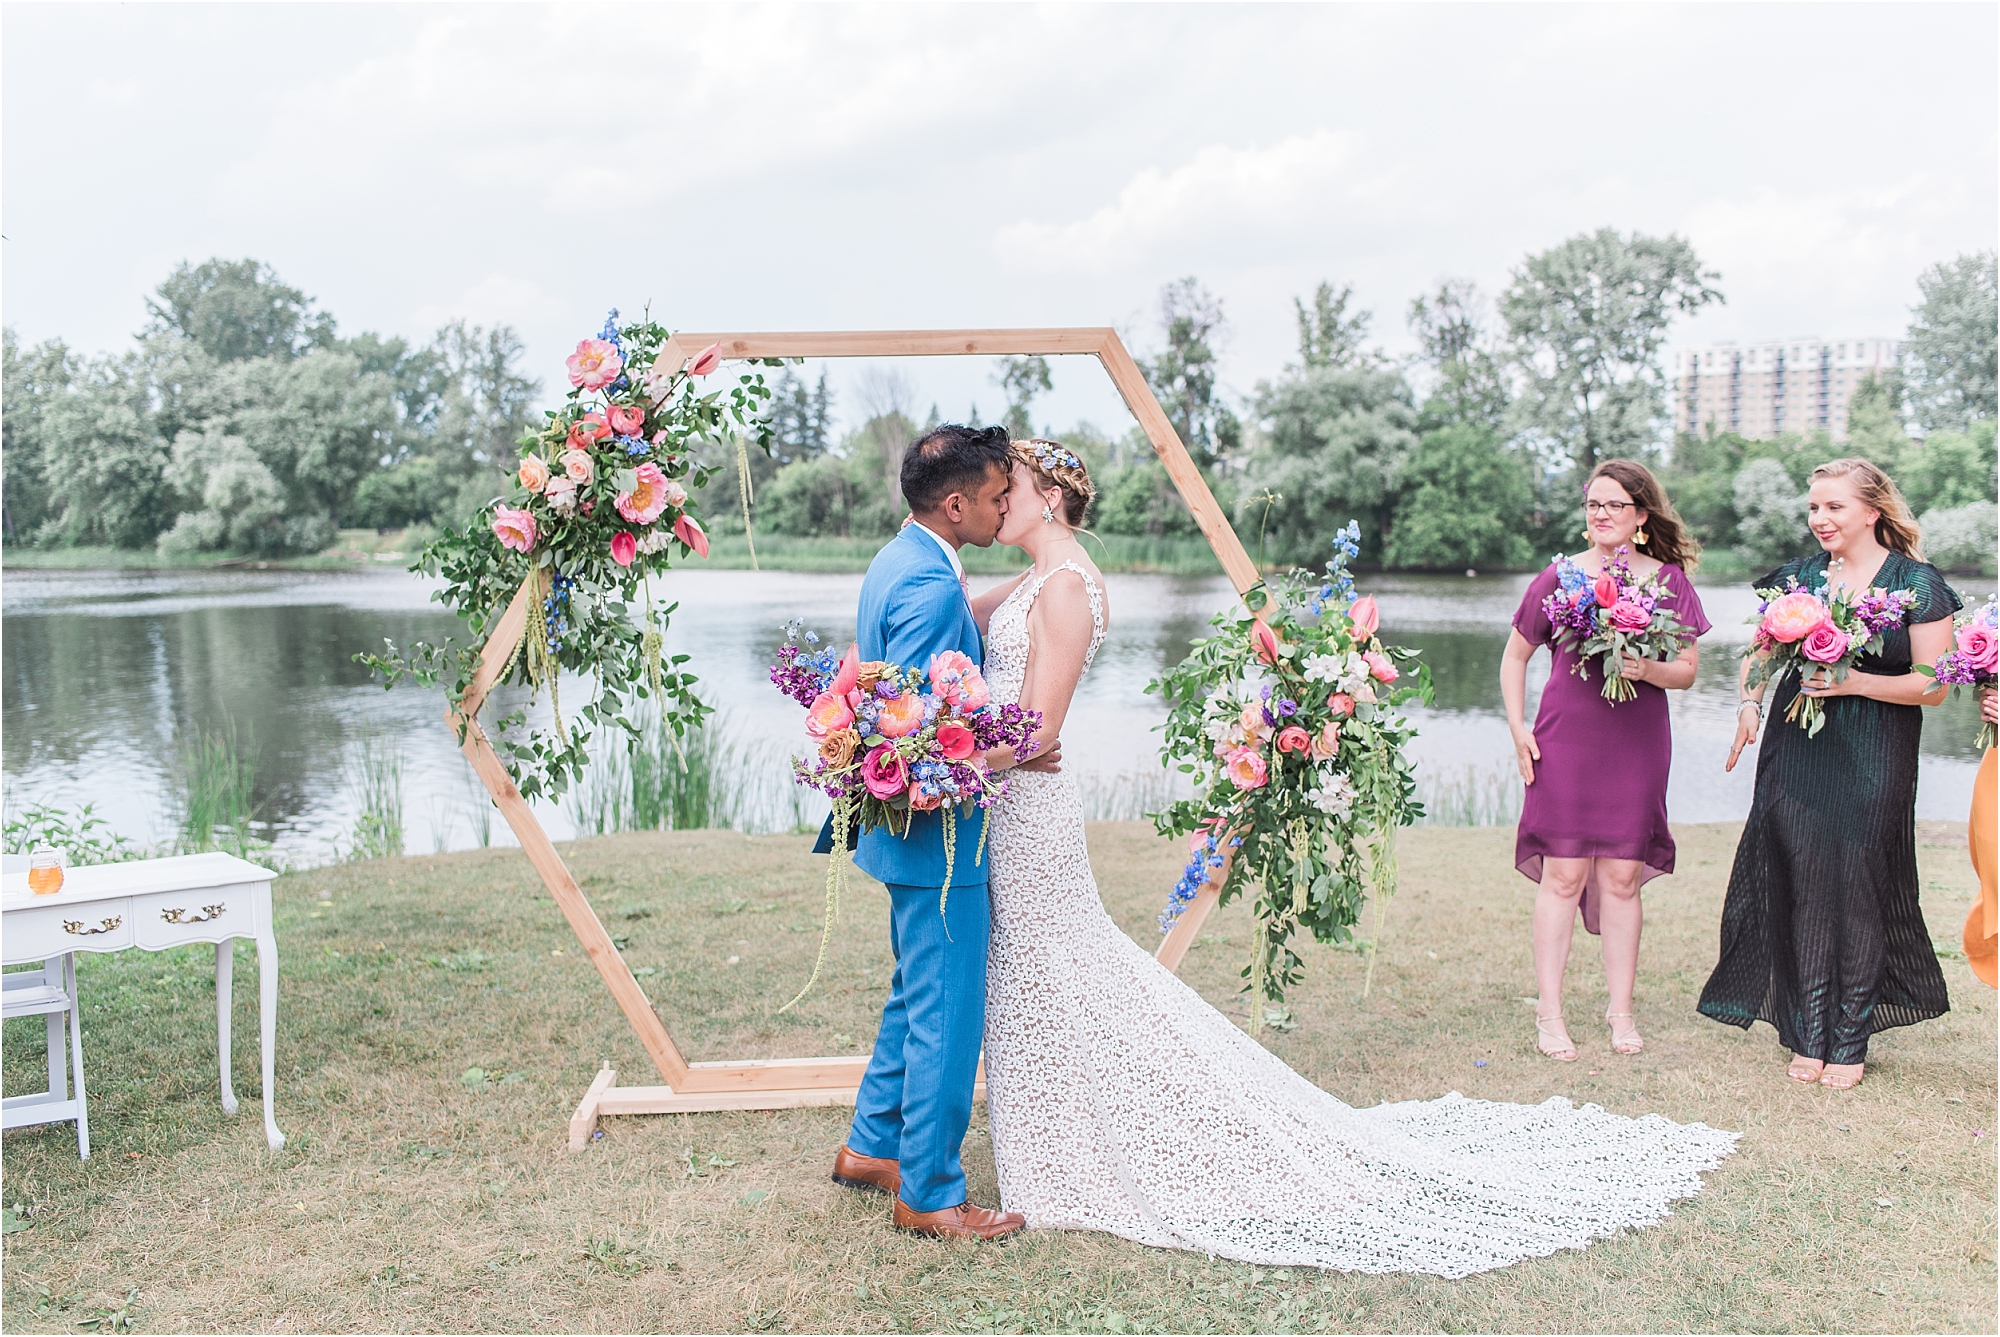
(786, 1083)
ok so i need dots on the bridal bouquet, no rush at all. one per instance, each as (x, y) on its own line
(1973, 657)
(1615, 614)
(599, 498)
(1806, 631)
(892, 741)
(1287, 719)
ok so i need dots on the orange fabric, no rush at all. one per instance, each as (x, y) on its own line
(1982, 933)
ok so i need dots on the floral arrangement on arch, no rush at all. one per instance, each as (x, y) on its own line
(1805, 631)
(1973, 658)
(600, 498)
(1287, 719)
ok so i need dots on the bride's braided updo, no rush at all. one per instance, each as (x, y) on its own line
(1055, 465)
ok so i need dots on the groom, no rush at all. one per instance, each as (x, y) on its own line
(916, 1098)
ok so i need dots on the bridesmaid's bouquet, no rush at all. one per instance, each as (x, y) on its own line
(891, 741)
(1804, 631)
(1611, 615)
(1972, 659)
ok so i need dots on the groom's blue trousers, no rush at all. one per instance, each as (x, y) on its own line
(916, 1098)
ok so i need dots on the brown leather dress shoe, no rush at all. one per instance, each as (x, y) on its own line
(963, 1222)
(874, 1173)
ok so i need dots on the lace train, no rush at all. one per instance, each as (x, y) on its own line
(1120, 1101)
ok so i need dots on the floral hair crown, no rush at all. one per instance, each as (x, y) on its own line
(1048, 454)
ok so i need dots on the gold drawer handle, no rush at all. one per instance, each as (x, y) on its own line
(178, 916)
(75, 926)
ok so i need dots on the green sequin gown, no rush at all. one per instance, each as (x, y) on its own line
(1821, 932)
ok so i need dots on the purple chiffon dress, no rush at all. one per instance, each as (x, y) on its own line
(1600, 789)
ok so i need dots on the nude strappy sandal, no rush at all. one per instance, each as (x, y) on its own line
(1629, 1041)
(1565, 1052)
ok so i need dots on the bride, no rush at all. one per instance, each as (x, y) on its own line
(1120, 1101)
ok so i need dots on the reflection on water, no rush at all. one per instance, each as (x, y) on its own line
(104, 672)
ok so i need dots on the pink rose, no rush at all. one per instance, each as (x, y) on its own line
(955, 740)
(674, 493)
(1628, 616)
(595, 364)
(1379, 667)
(902, 717)
(1264, 641)
(1327, 744)
(1605, 589)
(1365, 616)
(624, 548)
(1292, 738)
(1824, 644)
(648, 497)
(514, 528)
(849, 672)
(1245, 769)
(587, 431)
(828, 714)
(534, 473)
(561, 494)
(922, 802)
(1980, 647)
(1341, 704)
(625, 421)
(1789, 618)
(707, 360)
(577, 465)
(690, 533)
(884, 773)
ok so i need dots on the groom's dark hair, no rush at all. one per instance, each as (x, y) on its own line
(952, 457)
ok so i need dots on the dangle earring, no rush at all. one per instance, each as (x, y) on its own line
(1640, 537)
(1586, 533)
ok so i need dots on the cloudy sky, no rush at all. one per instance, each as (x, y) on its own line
(828, 166)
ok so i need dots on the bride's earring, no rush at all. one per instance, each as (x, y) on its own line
(1048, 514)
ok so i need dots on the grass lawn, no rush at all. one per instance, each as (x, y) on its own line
(439, 1024)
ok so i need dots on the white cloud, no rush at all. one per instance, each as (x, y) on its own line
(1219, 194)
(124, 93)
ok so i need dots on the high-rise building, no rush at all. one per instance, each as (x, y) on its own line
(1788, 385)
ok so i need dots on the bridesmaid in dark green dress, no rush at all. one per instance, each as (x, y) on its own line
(1821, 932)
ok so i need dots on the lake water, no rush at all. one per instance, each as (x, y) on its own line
(105, 671)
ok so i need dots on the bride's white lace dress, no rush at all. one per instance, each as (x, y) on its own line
(1121, 1101)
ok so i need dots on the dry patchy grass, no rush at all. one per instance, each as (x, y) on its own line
(417, 1196)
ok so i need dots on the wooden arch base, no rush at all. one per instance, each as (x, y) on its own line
(789, 1083)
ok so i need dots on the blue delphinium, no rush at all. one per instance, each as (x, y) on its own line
(555, 611)
(635, 446)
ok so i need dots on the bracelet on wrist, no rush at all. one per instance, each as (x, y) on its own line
(1754, 704)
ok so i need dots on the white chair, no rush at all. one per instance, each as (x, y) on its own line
(50, 992)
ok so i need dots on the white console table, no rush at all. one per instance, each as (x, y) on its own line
(155, 904)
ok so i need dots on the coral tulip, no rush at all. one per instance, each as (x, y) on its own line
(1365, 615)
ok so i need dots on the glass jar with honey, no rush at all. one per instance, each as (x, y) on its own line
(45, 871)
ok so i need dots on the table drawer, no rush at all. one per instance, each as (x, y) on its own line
(168, 917)
(37, 933)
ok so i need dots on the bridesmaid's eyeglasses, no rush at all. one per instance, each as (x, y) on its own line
(1610, 508)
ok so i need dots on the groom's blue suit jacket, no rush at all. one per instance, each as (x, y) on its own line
(913, 607)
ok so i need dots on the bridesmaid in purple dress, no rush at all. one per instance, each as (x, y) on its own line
(1594, 818)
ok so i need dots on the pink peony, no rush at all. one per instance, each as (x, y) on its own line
(1341, 704)
(514, 528)
(1264, 641)
(534, 473)
(1824, 644)
(1245, 769)
(648, 497)
(690, 533)
(707, 360)
(1605, 589)
(578, 466)
(957, 681)
(849, 672)
(1628, 616)
(1365, 616)
(955, 740)
(1979, 646)
(901, 717)
(1789, 618)
(595, 364)
(624, 548)
(625, 421)
(1292, 738)
(1379, 667)
(828, 714)
(884, 773)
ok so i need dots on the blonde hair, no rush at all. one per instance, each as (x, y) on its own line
(1055, 465)
(1895, 528)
